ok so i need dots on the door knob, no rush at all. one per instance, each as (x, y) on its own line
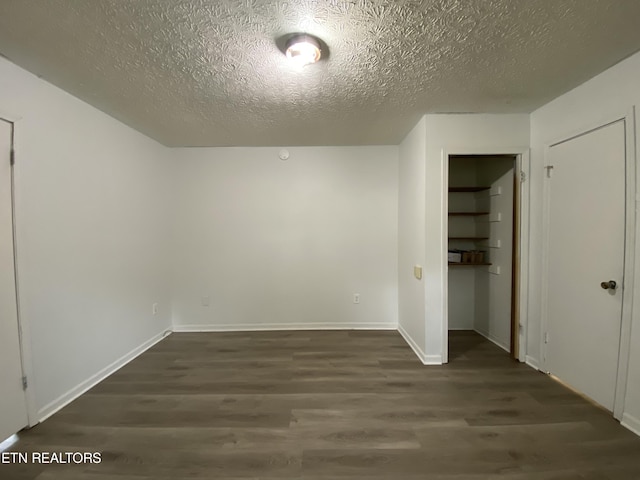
(610, 285)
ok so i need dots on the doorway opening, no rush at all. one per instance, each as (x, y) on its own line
(483, 251)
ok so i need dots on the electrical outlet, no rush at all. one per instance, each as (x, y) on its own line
(154, 308)
(206, 301)
(356, 298)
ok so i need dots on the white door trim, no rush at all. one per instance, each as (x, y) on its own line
(522, 167)
(630, 238)
(21, 289)
(631, 182)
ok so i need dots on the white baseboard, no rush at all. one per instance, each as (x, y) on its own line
(630, 422)
(68, 397)
(532, 362)
(494, 341)
(432, 360)
(257, 327)
(424, 358)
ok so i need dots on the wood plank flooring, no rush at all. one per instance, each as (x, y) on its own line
(340, 405)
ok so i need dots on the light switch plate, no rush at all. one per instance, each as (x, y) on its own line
(417, 272)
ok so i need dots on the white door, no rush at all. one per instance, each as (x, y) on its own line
(13, 407)
(586, 248)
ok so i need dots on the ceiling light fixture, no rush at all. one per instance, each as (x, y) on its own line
(303, 50)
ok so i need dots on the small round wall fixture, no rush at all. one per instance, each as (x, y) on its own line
(283, 154)
(303, 49)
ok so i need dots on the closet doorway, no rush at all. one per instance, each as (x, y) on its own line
(483, 247)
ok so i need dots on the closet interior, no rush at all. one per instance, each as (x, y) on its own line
(481, 239)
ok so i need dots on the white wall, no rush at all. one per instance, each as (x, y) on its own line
(90, 228)
(606, 96)
(493, 290)
(286, 244)
(463, 134)
(462, 280)
(411, 231)
(462, 297)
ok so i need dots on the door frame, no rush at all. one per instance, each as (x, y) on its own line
(631, 183)
(522, 169)
(21, 289)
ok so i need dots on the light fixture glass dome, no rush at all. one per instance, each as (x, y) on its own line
(303, 50)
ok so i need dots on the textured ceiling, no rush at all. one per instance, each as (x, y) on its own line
(206, 72)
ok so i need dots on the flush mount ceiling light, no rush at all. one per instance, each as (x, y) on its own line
(303, 49)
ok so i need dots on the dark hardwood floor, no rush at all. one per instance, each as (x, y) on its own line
(340, 405)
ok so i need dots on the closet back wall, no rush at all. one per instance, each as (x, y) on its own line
(263, 243)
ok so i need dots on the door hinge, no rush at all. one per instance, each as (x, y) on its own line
(523, 176)
(12, 157)
(25, 384)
